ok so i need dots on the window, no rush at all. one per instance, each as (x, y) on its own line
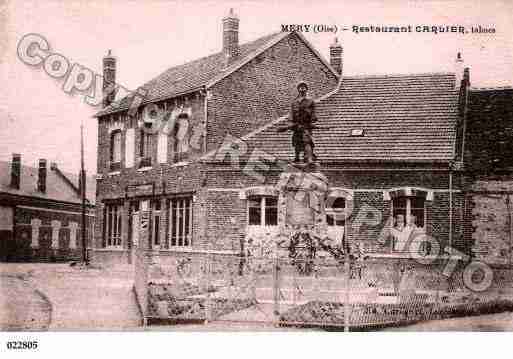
(115, 150)
(335, 218)
(335, 212)
(155, 225)
(262, 211)
(180, 222)
(133, 223)
(408, 207)
(357, 132)
(145, 148)
(112, 234)
(181, 137)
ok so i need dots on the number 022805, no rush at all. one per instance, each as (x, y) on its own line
(22, 345)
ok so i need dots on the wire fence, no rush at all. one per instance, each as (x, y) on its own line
(318, 292)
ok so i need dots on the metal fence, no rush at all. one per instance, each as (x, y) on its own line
(320, 292)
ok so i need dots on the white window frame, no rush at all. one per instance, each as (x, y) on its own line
(113, 226)
(408, 210)
(263, 207)
(116, 146)
(176, 206)
(156, 216)
(334, 211)
(182, 135)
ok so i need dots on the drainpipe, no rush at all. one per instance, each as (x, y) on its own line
(510, 224)
(205, 91)
(450, 206)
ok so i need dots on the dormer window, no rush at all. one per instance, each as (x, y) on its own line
(357, 132)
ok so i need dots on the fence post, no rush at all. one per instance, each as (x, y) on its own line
(276, 288)
(208, 299)
(347, 269)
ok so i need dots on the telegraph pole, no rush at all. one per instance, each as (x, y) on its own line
(82, 186)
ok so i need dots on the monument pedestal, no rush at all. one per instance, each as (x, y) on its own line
(303, 191)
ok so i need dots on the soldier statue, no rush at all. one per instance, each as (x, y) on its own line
(301, 123)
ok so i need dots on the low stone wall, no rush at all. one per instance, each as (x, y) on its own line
(110, 258)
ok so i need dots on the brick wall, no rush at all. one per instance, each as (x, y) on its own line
(194, 101)
(489, 130)
(226, 204)
(226, 220)
(44, 221)
(168, 179)
(263, 89)
(490, 218)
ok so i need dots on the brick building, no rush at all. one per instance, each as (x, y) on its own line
(393, 148)
(423, 146)
(206, 101)
(40, 212)
(488, 159)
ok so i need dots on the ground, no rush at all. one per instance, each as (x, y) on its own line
(79, 299)
(59, 297)
(22, 307)
(500, 322)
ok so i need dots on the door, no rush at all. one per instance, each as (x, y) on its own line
(7, 245)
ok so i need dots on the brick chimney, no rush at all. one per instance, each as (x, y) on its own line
(336, 56)
(16, 170)
(41, 180)
(109, 79)
(458, 70)
(230, 37)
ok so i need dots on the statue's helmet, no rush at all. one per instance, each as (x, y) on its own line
(301, 84)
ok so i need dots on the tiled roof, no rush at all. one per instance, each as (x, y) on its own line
(404, 117)
(192, 75)
(57, 189)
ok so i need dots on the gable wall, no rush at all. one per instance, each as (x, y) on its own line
(263, 89)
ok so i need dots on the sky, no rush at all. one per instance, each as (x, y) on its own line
(39, 120)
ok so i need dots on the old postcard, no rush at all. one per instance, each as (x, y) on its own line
(255, 166)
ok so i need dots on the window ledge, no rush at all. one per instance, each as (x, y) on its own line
(406, 255)
(110, 249)
(144, 169)
(179, 164)
(114, 173)
(197, 250)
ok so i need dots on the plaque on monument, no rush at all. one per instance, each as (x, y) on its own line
(299, 210)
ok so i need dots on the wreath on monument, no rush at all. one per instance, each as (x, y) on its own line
(303, 248)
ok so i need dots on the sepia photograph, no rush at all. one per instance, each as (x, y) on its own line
(331, 167)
